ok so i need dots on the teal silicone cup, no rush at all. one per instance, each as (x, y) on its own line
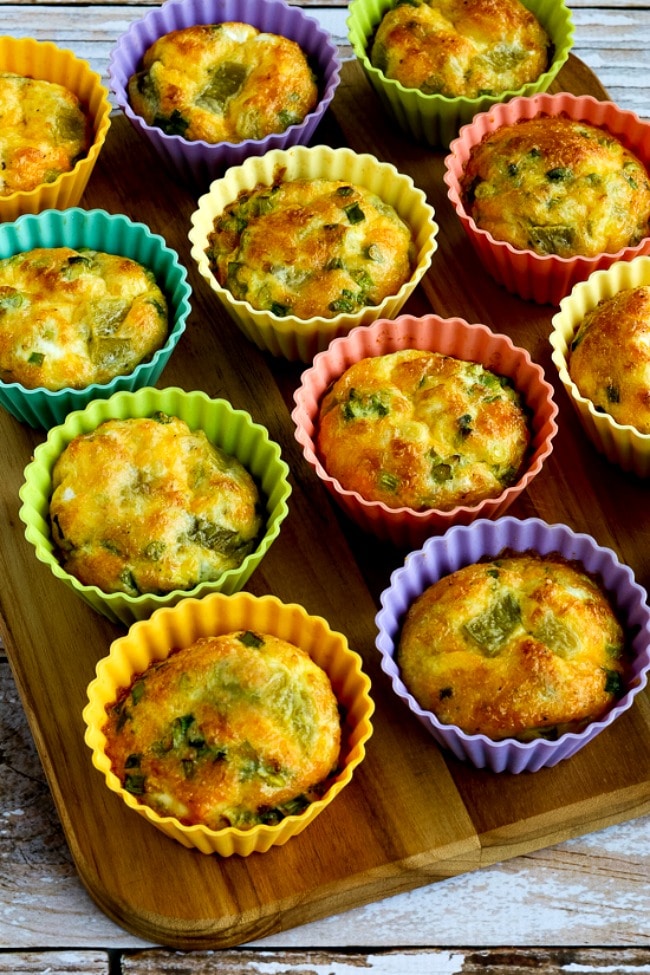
(232, 430)
(436, 119)
(112, 234)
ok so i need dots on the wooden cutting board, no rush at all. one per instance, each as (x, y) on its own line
(411, 815)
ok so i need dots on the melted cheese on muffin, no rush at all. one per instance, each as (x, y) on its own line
(310, 248)
(609, 360)
(148, 505)
(557, 186)
(43, 132)
(515, 647)
(422, 430)
(69, 318)
(223, 83)
(461, 47)
(234, 730)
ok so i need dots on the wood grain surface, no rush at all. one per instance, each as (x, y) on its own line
(411, 815)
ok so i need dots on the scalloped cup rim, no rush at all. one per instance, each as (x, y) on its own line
(450, 178)
(427, 514)
(175, 331)
(103, 119)
(561, 362)
(197, 618)
(159, 600)
(325, 97)
(432, 98)
(569, 742)
(291, 323)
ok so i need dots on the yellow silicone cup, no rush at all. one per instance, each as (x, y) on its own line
(169, 628)
(47, 62)
(622, 445)
(291, 337)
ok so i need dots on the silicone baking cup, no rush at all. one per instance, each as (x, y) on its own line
(547, 278)
(232, 430)
(153, 639)
(113, 234)
(622, 445)
(45, 61)
(288, 336)
(199, 162)
(436, 119)
(407, 527)
(465, 545)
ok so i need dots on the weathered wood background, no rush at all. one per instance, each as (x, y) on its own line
(583, 906)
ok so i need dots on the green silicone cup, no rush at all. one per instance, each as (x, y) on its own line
(436, 119)
(112, 234)
(232, 430)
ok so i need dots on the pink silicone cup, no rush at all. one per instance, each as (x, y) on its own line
(464, 545)
(406, 527)
(545, 279)
(199, 162)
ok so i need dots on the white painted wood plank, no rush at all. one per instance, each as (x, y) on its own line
(55, 963)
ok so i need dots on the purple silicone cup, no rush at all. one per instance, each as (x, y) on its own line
(465, 544)
(197, 163)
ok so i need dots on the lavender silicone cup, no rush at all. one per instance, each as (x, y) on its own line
(199, 162)
(464, 545)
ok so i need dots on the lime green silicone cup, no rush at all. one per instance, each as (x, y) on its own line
(436, 119)
(232, 430)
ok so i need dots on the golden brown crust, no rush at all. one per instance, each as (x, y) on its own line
(461, 47)
(69, 318)
(148, 505)
(518, 646)
(223, 83)
(312, 247)
(609, 359)
(232, 731)
(422, 430)
(557, 186)
(44, 132)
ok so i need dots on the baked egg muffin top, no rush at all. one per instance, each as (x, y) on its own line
(310, 247)
(520, 646)
(463, 48)
(234, 730)
(223, 83)
(44, 132)
(145, 504)
(554, 185)
(422, 430)
(69, 318)
(609, 358)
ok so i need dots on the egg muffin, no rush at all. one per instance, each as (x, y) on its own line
(520, 646)
(609, 359)
(422, 430)
(462, 48)
(69, 318)
(44, 130)
(310, 247)
(554, 185)
(234, 730)
(147, 505)
(223, 83)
